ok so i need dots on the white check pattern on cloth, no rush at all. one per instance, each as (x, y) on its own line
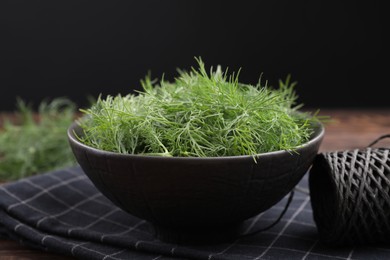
(63, 212)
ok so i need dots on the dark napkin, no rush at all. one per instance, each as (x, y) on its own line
(63, 212)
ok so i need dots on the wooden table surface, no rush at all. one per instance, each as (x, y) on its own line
(348, 129)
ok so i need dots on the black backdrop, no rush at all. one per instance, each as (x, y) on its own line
(335, 50)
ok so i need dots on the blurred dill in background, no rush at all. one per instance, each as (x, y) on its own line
(33, 142)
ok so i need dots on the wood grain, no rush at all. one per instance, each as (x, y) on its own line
(10, 250)
(348, 129)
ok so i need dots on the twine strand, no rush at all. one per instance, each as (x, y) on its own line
(290, 198)
(380, 138)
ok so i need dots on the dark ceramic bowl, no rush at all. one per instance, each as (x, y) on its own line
(184, 196)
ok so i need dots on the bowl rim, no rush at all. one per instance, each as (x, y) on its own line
(319, 132)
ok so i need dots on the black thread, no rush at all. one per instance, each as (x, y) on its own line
(379, 139)
(290, 198)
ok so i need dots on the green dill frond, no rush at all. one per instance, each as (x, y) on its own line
(199, 114)
(36, 142)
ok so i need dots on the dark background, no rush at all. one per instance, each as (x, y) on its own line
(335, 50)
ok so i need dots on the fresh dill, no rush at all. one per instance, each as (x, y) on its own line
(200, 114)
(36, 142)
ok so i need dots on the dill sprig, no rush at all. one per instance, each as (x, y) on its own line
(200, 114)
(35, 142)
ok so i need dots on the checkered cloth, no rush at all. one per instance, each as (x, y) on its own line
(64, 213)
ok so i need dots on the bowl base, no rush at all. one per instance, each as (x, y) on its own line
(206, 235)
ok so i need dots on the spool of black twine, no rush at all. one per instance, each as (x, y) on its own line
(350, 196)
